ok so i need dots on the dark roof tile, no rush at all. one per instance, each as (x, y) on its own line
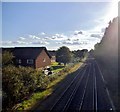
(27, 52)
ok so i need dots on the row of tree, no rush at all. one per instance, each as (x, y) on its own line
(64, 55)
(108, 47)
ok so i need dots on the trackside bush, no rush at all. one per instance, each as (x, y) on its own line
(19, 82)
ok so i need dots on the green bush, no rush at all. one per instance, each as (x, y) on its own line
(42, 80)
(7, 58)
(19, 83)
(28, 77)
(12, 85)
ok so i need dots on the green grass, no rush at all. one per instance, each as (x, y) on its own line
(54, 63)
(39, 96)
(56, 68)
(27, 104)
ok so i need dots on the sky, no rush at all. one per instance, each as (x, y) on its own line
(77, 25)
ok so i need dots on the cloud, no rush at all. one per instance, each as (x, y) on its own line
(72, 42)
(53, 37)
(46, 38)
(39, 43)
(34, 37)
(43, 33)
(58, 42)
(82, 39)
(103, 30)
(58, 37)
(11, 43)
(79, 41)
(6, 42)
(76, 39)
(67, 42)
(78, 32)
(21, 38)
(68, 39)
(96, 35)
(29, 40)
(19, 42)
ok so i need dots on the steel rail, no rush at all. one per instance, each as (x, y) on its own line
(57, 101)
(95, 86)
(93, 89)
(83, 96)
(111, 102)
(73, 93)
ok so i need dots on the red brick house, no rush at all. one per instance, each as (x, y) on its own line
(36, 57)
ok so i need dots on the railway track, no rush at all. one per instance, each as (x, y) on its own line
(105, 92)
(68, 106)
(62, 103)
(86, 92)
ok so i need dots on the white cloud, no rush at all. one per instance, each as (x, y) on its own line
(58, 37)
(78, 32)
(19, 42)
(43, 33)
(82, 39)
(39, 43)
(21, 38)
(78, 41)
(96, 35)
(6, 43)
(46, 38)
(58, 42)
(11, 43)
(34, 37)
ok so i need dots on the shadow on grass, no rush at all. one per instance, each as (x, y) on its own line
(57, 67)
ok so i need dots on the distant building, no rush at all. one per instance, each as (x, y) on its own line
(36, 57)
(53, 56)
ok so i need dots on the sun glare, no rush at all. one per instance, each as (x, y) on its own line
(112, 10)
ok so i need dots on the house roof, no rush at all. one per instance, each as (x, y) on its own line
(27, 52)
(52, 53)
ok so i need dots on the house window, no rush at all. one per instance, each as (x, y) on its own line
(44, 60)
(19, 61)
(29, 61)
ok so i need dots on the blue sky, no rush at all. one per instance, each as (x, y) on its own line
(53, 24)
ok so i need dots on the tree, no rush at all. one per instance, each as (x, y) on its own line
(7, 58)
(63, 55)
(80, 53)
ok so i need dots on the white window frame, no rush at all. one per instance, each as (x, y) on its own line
(44, 60)
(29, 61)
(19, 61)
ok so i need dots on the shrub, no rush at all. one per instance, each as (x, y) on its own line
(7, 58)
(12, 85)
(19, 83)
